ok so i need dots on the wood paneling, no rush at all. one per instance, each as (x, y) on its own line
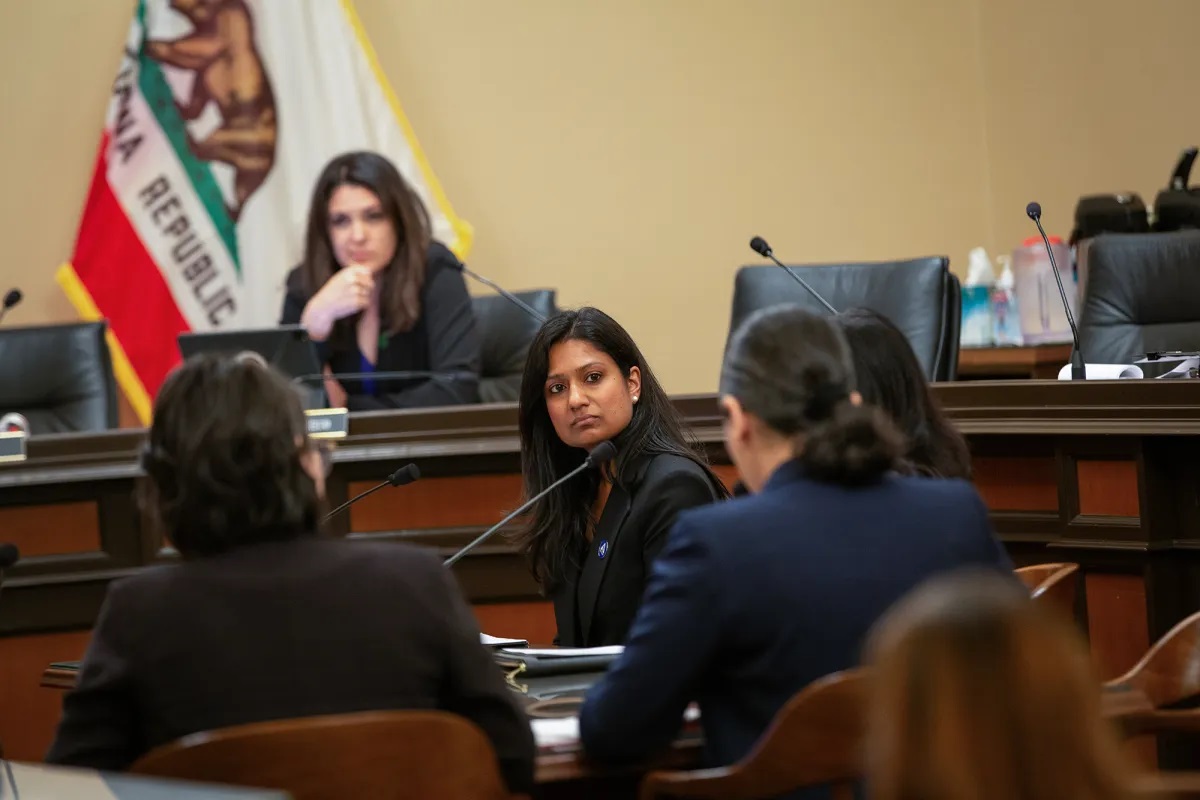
(1017, 483)
(51, 530)
(1117, 622)
(29, 714)
(1107, 488)
(531, 621)
(436, 503)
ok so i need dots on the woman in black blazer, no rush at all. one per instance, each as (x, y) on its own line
(591, 542)
(377, 293)
(263, 618)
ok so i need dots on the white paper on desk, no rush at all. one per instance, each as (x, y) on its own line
(498, 641)
(565, 652)
(1103, 372)
(555, 732)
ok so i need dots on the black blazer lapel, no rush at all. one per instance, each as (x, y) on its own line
(564, 610)
(599, 554)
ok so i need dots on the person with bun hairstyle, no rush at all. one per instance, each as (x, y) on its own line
(754, 598)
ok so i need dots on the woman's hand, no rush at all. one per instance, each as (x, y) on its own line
(347, 292)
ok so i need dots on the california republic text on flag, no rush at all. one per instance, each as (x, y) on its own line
(222, 114)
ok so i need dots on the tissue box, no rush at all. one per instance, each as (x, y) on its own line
(976, 317)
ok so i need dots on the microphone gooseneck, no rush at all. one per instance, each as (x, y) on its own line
(13, 297)
(600, 454)
(760, 246)
(507, 295)
(1078, 367)
(401, 477)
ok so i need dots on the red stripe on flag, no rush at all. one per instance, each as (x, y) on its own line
(125, 283)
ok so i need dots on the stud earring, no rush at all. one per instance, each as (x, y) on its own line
(635, 398)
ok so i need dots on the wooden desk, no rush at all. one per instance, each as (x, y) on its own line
(1104, 474)
(1000, 363)
(563, 771)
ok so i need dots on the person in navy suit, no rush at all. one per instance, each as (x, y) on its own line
(590, 542)
(754, 598)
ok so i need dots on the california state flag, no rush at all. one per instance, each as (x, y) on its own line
(223, 112)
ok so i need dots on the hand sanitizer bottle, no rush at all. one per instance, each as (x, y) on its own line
(1006, 319)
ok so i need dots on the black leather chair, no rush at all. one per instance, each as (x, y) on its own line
(1142, 294)
(921, 297)
(507, 331)
(60, 377)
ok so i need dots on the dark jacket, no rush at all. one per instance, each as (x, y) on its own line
(755, 598)
(281, 630)
(595, 605)
(444, 340)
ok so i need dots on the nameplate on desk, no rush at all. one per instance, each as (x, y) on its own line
(12, 446)
(328, 423)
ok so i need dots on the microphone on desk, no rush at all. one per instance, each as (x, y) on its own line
(13, 422)
(401, 477)
(601, 454)
(13, 297)
(760, 246)
(1078, 369)
(507, 295)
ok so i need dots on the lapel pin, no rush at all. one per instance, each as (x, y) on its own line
(602, 550)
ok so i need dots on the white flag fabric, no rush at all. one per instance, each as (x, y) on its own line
(222, 115)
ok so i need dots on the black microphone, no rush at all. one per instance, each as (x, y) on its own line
(507, 295)
(401, 477)
(1078, 369)
(760, 246)
(13, 297)
(9, 555)
(601, 453)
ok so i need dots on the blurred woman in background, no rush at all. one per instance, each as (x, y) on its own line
(378, 293)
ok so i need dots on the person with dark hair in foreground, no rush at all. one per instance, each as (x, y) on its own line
(265, 619)
(754, 598)
(890, 378)
(590, 543)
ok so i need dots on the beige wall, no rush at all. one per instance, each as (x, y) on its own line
(625, 151)
(1085, 97)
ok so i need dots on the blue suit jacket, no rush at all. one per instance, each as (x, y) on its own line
(754, 598)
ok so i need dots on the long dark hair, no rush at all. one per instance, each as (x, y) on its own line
(890, 377)
(223, 459)
(554, 535)
(792, 370)
(404, 277)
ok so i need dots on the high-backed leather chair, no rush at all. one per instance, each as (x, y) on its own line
(60, 377)
(507, 331)
(1141, 295)
(921, 297)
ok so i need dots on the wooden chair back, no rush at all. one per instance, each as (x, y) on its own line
(1169, 673)
(1053, 585)
(378, 754)
(814, 740)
